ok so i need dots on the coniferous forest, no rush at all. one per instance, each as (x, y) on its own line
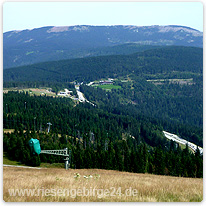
(156, 90)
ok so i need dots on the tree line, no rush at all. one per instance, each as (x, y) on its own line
(122, 155)
(107, 138)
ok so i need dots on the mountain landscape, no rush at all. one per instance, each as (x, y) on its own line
(109, 93)
(166, 60)
(57, 43)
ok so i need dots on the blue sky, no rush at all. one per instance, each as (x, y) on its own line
(29, 15)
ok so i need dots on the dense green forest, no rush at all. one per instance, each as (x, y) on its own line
(123, 155)
(156, 90)
(180, 104)
(71, 119)
(151, 62)
(98, 138)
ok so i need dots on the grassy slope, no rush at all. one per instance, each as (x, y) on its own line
(150, 188)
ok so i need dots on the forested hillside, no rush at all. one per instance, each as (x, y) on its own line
(148, 87)
(98, 138)
(148, 92)
(156, 61)
(181, 103)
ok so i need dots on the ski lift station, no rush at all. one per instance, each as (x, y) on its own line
(36, 149)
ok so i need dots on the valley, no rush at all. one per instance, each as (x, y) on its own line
(107, 85)
(111, 111)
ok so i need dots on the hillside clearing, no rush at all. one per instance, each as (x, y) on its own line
(32, 91)
(109, 185)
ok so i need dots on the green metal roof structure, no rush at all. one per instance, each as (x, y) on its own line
(35, 145)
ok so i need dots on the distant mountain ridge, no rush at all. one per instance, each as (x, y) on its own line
(66, 42)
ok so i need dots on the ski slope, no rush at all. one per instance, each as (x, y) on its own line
(182, 141)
